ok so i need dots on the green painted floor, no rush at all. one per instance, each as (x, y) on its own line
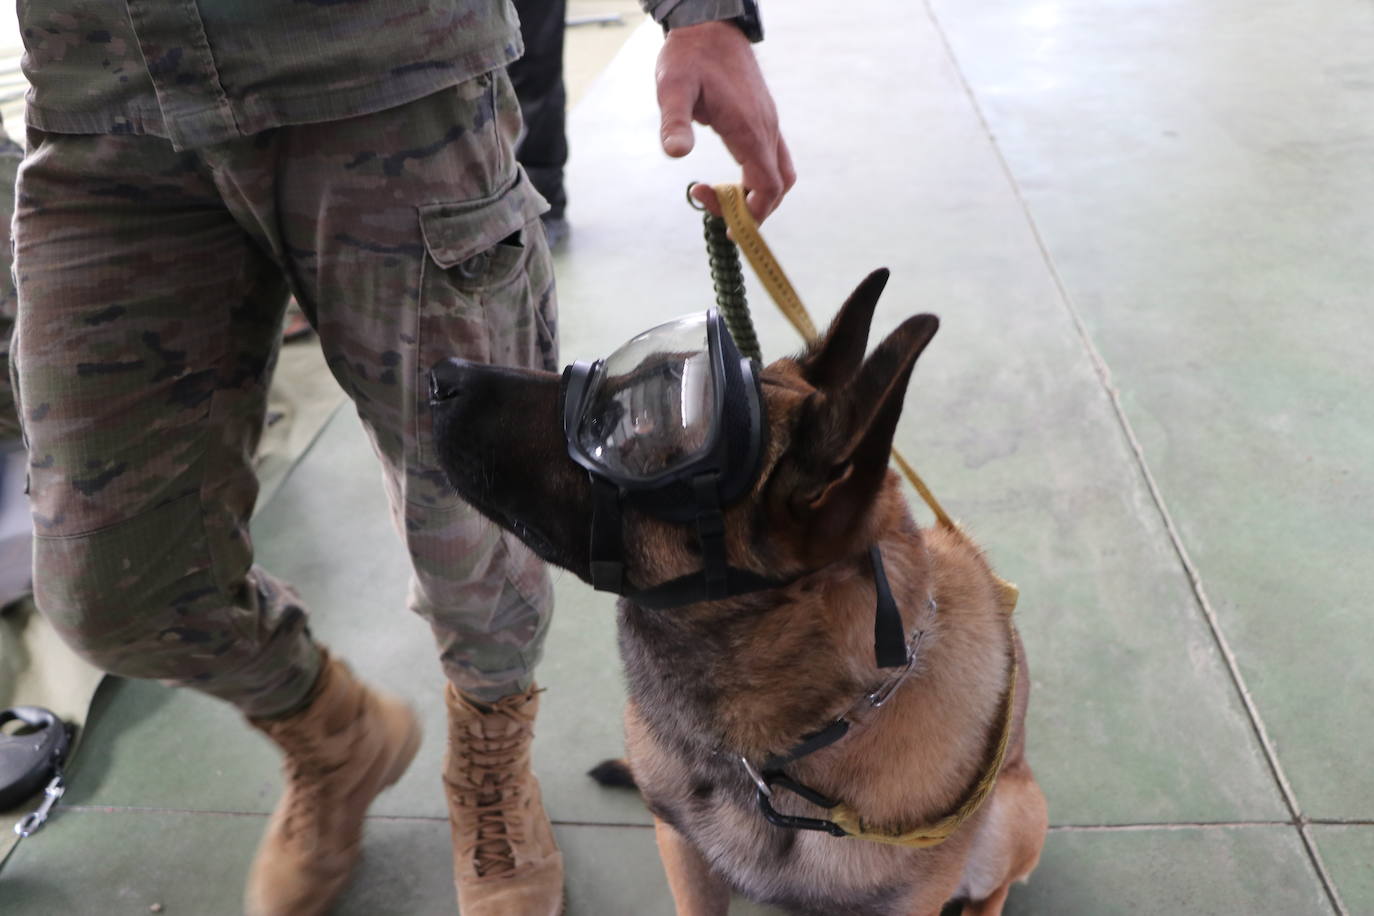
(1148, 230)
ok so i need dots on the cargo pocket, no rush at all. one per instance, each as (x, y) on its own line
(485, 278)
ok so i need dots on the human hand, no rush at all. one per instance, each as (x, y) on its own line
(708, 73)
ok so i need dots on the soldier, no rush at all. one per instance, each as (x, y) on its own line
(192, 164)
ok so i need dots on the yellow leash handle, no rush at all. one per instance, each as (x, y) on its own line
(770, 273)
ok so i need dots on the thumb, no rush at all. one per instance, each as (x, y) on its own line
(675, 102)
(677, 138)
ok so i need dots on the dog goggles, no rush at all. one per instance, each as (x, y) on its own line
(671, 423)
(672, 403)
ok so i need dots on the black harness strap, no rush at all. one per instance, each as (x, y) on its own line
(889, 651)
(711, 532)
(717, 579)
(607, 563)
(889, 640)
(692, 588)
(808, 745)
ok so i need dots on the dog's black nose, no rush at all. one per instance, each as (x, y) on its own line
(446, 378)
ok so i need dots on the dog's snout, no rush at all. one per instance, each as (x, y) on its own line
(446, 378)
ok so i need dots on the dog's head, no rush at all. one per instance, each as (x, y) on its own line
(818, 497)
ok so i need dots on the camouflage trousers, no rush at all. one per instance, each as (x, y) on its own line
(151, 289)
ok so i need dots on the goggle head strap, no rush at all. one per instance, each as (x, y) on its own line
(714, 581)
(711, 533)
(606, 556)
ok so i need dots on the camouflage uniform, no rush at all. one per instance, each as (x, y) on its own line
(191, 163)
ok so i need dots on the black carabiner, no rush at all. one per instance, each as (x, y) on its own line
(793, 822)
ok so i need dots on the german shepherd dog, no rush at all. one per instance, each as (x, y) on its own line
(748, 676)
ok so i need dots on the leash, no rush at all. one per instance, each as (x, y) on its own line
(727, 276)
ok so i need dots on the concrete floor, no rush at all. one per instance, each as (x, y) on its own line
(1147, 228)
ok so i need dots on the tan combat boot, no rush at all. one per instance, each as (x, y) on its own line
(348, 744)
(505, 860)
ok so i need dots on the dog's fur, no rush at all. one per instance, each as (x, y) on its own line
(751, 675)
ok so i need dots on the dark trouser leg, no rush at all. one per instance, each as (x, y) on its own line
(538, 81)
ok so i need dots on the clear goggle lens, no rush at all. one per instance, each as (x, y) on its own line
(653, 403)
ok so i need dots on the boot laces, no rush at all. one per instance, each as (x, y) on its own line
(489, 786)
(309, 773)
(308, 777)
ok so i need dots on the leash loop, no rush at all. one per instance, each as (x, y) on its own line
(727, 276)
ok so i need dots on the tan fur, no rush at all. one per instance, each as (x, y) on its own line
(697, 891)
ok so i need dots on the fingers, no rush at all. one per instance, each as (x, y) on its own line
(763, 201)
(677, 97)
(765, 183)
(789, 173)
(705, 195)
(766, 163)
(768, 175)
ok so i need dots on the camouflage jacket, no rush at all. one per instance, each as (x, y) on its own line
(198, 72)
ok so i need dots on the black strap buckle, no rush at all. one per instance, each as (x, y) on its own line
(608, 576)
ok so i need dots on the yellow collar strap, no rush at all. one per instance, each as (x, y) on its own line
(770, 273)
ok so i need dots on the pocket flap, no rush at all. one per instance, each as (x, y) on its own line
(455, 232)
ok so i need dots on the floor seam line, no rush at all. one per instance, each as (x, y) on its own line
(1185, 825)
(430, 818)
(156, 809)
(442, 818)
(1104, 374)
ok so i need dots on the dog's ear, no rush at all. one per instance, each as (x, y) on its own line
(836, 356)
(848, 432)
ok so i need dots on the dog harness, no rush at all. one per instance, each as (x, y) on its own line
(891, 649)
